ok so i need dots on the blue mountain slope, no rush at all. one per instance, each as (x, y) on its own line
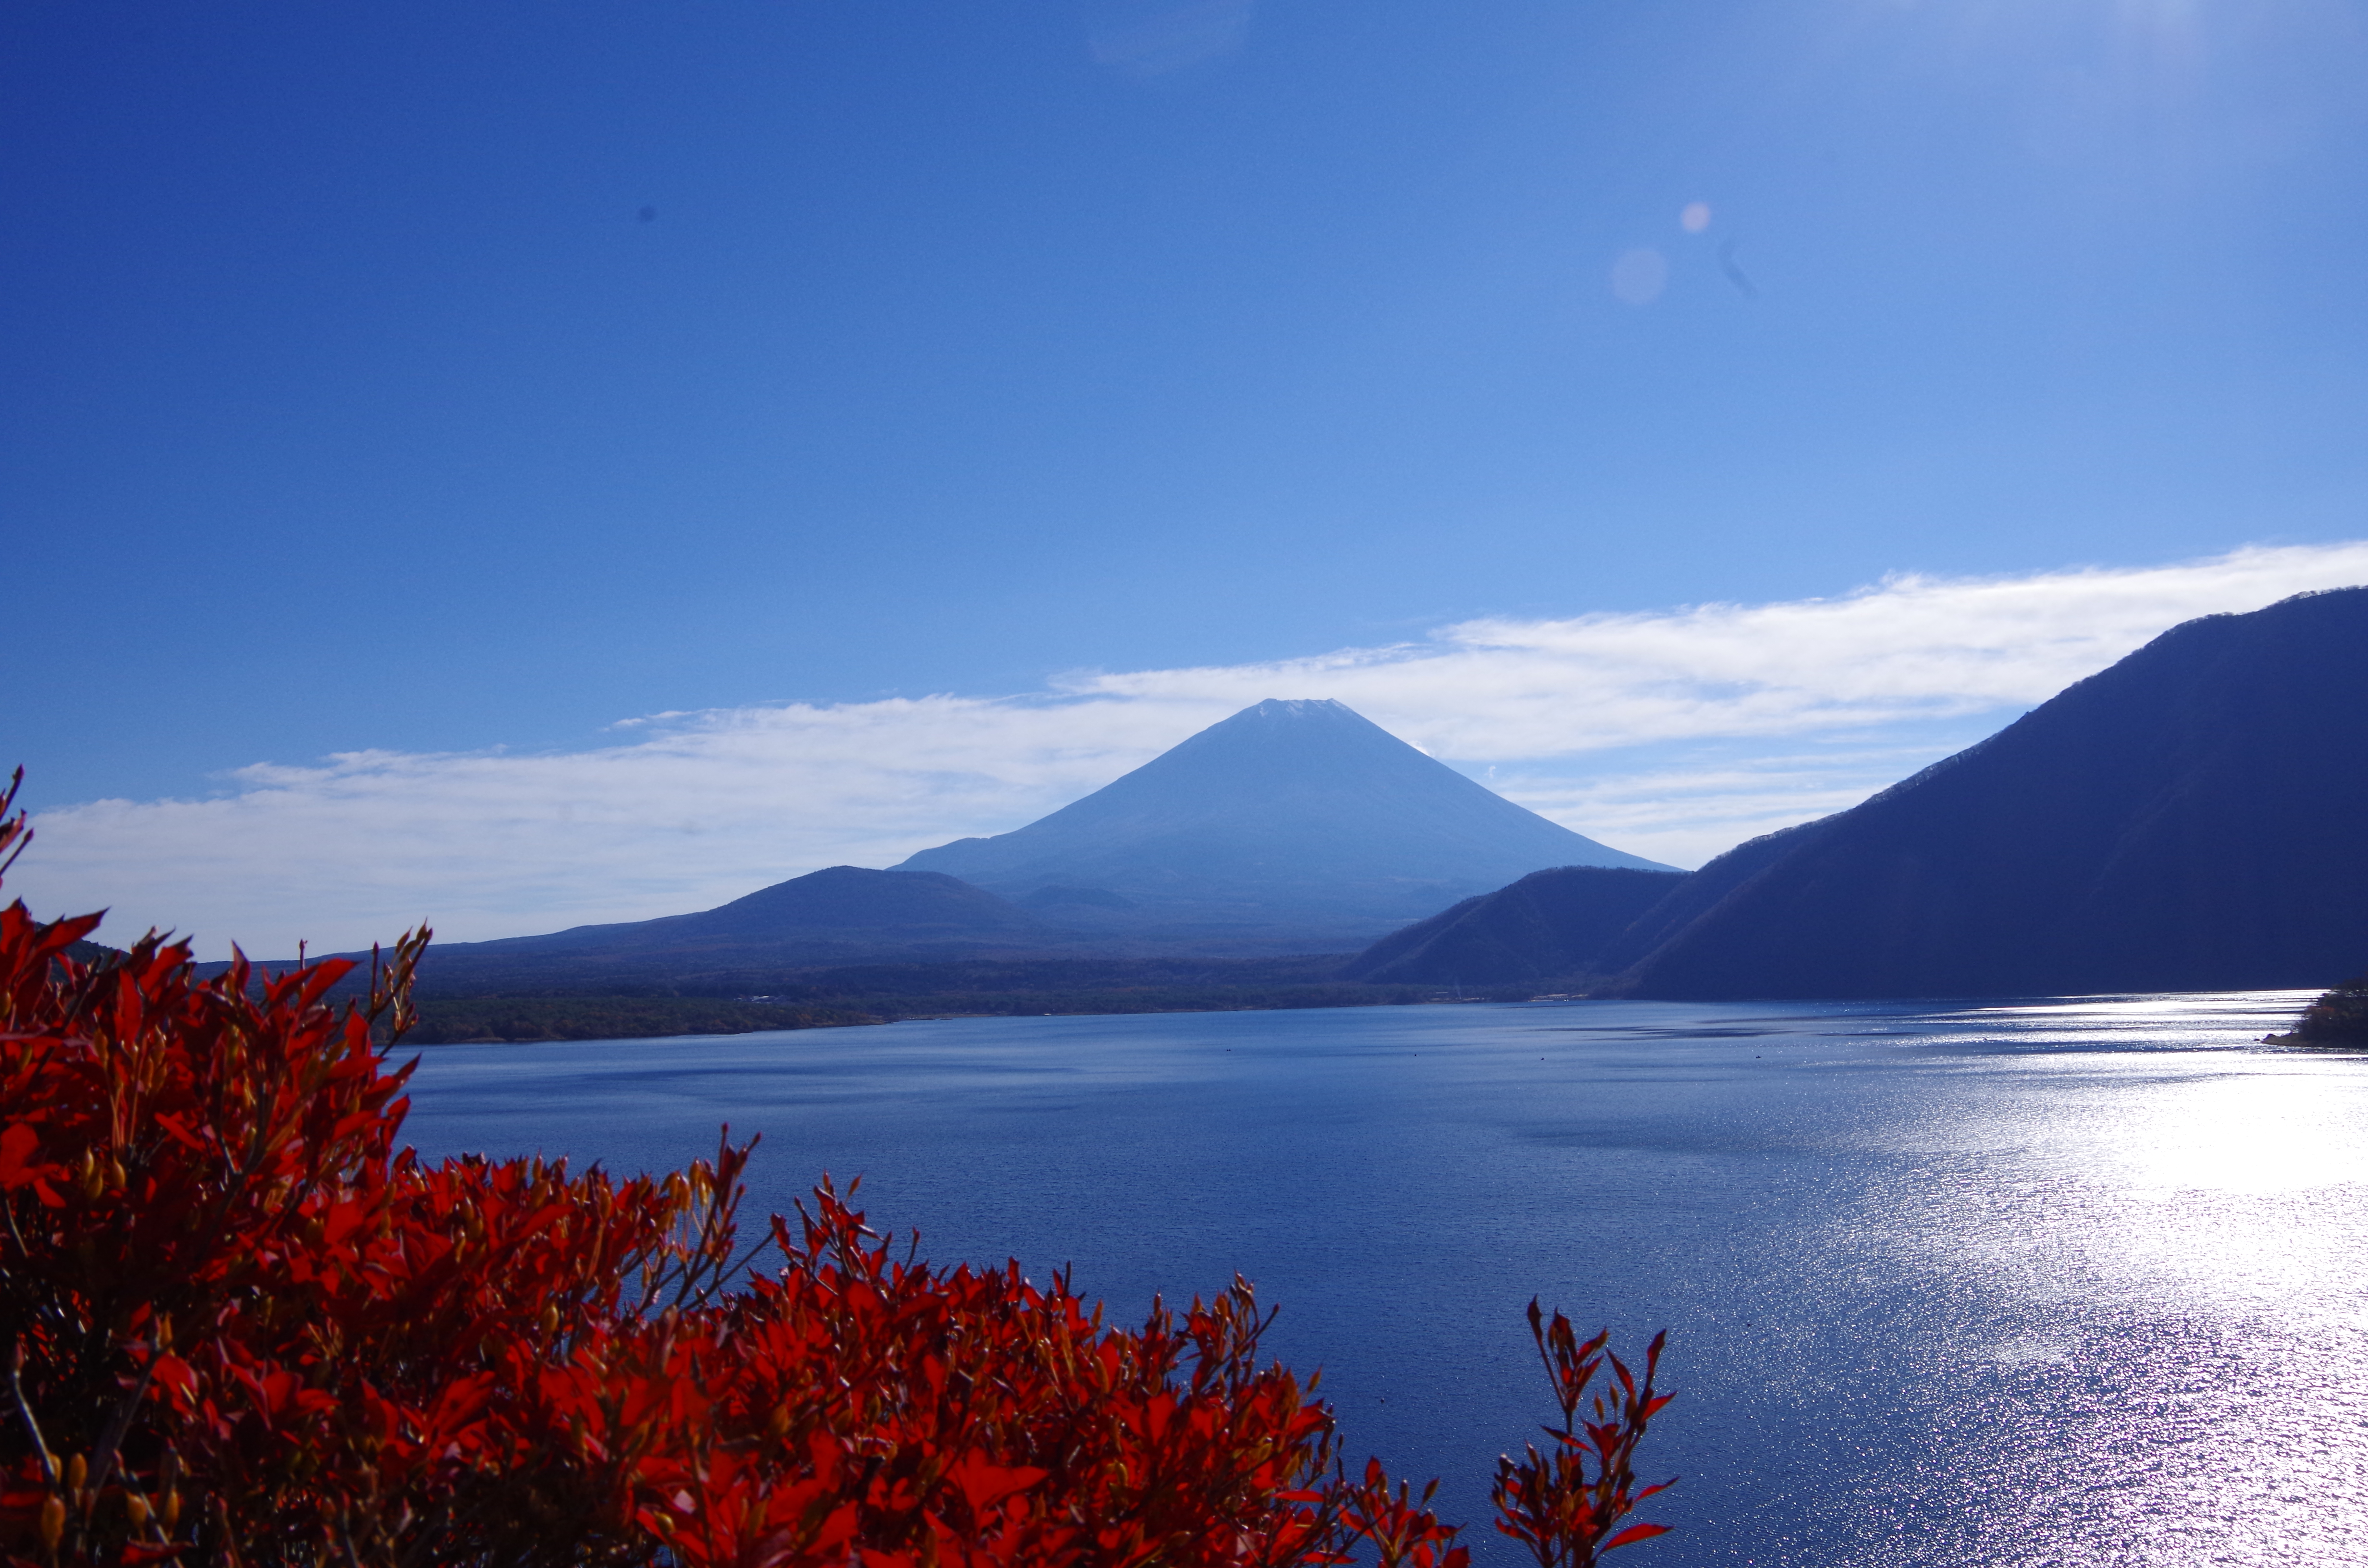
(841, 914)
(1547, 926)
(837, 902)
(2193, 818)
(1287, 812)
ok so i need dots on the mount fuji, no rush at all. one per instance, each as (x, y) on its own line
(1291, 820)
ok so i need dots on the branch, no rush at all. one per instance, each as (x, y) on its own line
(25, 1408)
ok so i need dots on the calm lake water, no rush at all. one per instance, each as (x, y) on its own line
(2077, 1282)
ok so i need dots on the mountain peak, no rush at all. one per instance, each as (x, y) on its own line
(1298, 709)
(1288, 809)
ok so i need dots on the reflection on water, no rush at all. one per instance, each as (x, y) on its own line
(2073, 1282)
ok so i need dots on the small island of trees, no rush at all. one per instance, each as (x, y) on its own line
(2339, 1018)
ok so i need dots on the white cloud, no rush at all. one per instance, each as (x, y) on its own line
(1672, 734)
(1685, 809)
(1152, 39)
(1906, 648)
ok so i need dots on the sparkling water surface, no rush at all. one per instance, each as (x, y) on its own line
(2075, 1282)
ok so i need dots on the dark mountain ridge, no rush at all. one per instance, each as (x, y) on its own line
(836, 915)
(1549, 925)
(838, 898)
(1689, 900)
(2189, 819)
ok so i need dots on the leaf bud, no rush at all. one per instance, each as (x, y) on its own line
(53, 1523)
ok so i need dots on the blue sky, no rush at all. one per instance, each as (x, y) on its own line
(423, 380)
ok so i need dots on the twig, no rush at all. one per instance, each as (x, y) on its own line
(25, 1408)
(120, 1422)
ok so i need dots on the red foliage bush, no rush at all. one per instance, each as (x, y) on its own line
(244, 1326)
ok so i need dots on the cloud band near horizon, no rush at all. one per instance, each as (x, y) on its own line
(1673, 734)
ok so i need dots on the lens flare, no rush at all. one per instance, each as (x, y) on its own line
(1639, 276)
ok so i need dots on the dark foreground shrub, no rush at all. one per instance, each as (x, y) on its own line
(244, 1326)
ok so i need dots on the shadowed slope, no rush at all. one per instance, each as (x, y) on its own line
(2190, 819)
(827, 916)
(1548, 924)
(1689, 900)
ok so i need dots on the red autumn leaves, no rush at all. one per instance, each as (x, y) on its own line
(244, 1326)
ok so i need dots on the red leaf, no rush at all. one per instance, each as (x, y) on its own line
(1635, 1533)
(17, 1146)
(984, 1485)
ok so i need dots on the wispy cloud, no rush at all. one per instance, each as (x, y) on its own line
(1671, 734)
(1151, 38)
(1684, 807)
(1906, 648)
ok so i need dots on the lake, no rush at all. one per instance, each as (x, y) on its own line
(2070, 1282)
